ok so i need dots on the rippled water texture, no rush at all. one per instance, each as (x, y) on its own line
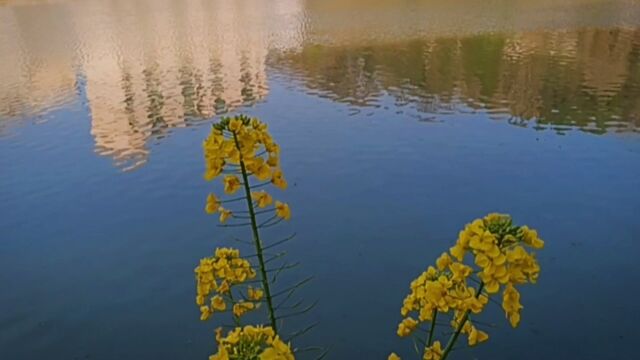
(399, 122)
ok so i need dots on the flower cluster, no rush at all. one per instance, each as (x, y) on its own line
(501, 260)
(237, 149)
(217, 275)
(499, 251)
(251, 342)
(442, 289)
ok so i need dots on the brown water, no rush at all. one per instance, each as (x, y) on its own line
(444, 110)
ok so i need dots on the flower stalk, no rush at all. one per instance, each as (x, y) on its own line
(256, 239)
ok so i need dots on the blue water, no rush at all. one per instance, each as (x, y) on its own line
(97, 255)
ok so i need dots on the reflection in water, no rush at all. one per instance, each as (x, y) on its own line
(586, 78)
(144, 67)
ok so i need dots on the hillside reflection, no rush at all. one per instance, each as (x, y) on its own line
(139, 69)
(586, 78)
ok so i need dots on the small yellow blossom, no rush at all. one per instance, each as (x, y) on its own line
(231, 184)
(242, 307)
(393, 356)
(511, 305)
(218, 304)
(278, 179)
(235, 124)
(254, 294)
(530, 237)
(477, 336)
(262, 198)
(282, 210)
(224, 214)
(277, 351)
(205, 312)
(433, 352)
(212, 204)
(443, 261)
(252, 342)
(273, 160)
(406, 327)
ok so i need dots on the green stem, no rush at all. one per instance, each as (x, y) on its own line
(433, 327)
(454, 337)
(256, 239)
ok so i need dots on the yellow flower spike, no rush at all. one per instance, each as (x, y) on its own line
(393, 356)
(231, 184)
(224, 214)
(212, 204)
(262, 198)
(433, 352)
(278, 179)
(282, 210)
(406, 327)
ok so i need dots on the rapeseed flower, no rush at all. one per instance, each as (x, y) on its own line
(282, 210)
(251, 342)
(500, 261)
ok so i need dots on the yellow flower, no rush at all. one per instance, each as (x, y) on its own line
(262, 171)
(393, 356)
(530, 237)
(224, 214)
(477, 336)
(231, 184)
(235, 124)
(212, 204)
(277, 351)
(254, 294)
(218, 304)
(511, 304)
(273, 160)
(221, 355)
(242, 308)
(205, 312)
(224, 287)
(213, 169)
(433, 352)
(278, 179)
(282, 210)
(443, 261)
(262, 198)
(406, 327)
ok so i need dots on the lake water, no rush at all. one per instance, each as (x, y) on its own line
(399, 122)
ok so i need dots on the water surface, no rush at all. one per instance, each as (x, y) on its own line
(399, 122)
